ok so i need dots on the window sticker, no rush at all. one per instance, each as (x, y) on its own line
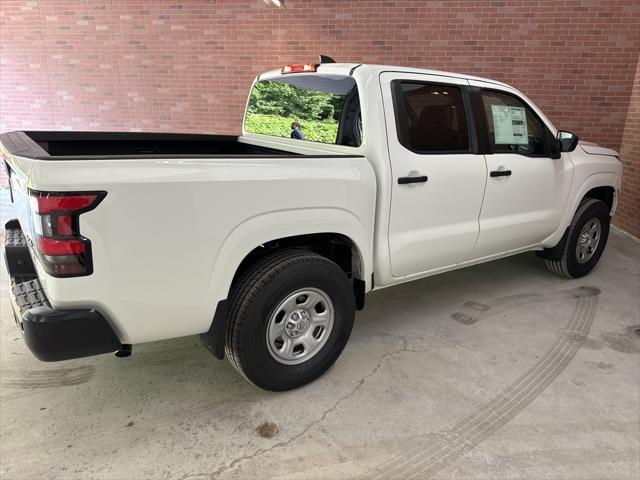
(509, 125)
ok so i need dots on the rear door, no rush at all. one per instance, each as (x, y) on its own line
(438, 179)
(526, 188)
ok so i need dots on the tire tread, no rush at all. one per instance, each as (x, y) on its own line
(248, 287)
(559, 267)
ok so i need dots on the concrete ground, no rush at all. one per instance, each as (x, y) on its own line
(497, 371)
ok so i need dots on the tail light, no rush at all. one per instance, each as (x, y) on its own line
(62, 250)
(307, 67)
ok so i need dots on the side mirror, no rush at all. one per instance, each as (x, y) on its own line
(567, 141)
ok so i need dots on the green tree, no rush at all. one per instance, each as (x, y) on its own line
(284, 100)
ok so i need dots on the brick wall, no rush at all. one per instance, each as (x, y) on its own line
(186, 66)
(628, 215)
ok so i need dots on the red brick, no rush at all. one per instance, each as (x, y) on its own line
(159, 66)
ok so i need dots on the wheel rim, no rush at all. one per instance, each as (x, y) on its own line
(588, 240)
(300, 326)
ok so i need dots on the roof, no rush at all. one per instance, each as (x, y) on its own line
(373, 69)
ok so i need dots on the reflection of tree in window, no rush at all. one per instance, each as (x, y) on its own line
(317, 103)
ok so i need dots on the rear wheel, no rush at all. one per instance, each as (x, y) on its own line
(290, 317)
(585, 241)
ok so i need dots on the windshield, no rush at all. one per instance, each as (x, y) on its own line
(315, 108)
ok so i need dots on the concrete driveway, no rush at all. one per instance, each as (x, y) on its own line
(497, 371)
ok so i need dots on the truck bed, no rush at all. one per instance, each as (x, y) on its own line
(43, 145)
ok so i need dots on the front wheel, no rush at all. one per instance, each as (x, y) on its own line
(586, 238)
(290, 317)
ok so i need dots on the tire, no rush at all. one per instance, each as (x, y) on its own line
(572, 262)
(251, 344)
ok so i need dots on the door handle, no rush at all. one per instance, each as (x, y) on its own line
(406, 180)
(500, 173)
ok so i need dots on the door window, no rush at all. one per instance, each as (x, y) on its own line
(513, 127)
(430, 118)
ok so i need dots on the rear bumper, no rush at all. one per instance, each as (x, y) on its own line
(51, 334)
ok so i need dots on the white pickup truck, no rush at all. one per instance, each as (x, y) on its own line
(346, 178)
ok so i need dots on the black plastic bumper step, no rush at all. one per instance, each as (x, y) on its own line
(52, 334)
(28, 294)
(14, 238)
(16, 248)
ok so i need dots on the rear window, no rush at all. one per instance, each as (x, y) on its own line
(314, 108)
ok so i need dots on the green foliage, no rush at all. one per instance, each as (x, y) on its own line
(273, 106)
(282, 99)
(324, 131)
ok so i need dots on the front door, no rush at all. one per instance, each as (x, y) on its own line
(438, 180)
(526, 189)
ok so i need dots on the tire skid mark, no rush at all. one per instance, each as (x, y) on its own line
(428, 457)
(51, 378)
(623, 342)
(474, 311)
(585, 341)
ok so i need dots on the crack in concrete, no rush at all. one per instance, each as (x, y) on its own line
(234, 463)
(462, 442)
(425, 459)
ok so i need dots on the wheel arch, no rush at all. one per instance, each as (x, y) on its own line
(601, 186)
(334, 233)
(337, 247)
(605, 193)
(290, 228)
